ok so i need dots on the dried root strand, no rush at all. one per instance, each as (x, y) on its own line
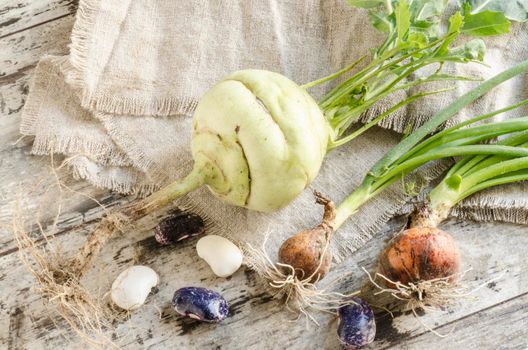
(431, 294)
(113, 223)
(427, 295)
(301, 295)
(109, 226)
(58, 283)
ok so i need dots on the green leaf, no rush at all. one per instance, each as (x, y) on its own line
(456, 22)
(417, 39)
(426, 16)
(429, 29)
(366, 4)
(516, 10)
(484, 23)
(381, 21)
(427, 10)
(403, 19)
(470, 51)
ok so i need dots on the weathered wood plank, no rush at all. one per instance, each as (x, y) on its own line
(27, 169)
(18, 15)
(17, 168)
(22, 173)
(25, 48)
(20, 170)
(29, 179)
(13, 92)
(504, 326)
(257, 321)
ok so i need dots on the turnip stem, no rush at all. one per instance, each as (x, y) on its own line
(473, 174)
(341, 123)
(373, 69)
(353, 135)
(334, 75)
(470, 135)
(446, 195)
(388, 5)
(444, 152)
(389, 169)
(442, 133)
(469, 164)
(501, 180)
(176, 189)
(352, 203)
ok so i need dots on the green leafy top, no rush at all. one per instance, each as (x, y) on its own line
(418, 21)
(415, 38)
(485, 22)
(516, 10)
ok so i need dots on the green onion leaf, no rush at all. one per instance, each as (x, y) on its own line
(454, 181)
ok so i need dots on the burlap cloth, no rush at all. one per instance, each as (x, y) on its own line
(119, 106)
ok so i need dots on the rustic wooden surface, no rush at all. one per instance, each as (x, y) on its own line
(493, 317)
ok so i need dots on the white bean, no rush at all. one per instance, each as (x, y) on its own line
(221, 254)
(131, 288)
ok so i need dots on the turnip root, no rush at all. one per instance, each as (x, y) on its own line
(259, 138)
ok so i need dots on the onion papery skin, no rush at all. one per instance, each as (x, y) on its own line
(264, 134)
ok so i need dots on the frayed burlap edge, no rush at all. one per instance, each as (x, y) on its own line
(81, 41)
(45, 144)
(492, 209)
(125, 180)
(134, 151)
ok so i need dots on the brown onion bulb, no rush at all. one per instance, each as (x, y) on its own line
(420, 254)
(308, 251)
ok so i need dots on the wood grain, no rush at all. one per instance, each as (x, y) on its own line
(19, 15)
(504, 325)
(257, 320)
(25, 48)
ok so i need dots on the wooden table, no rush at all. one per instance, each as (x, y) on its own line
(495, 318)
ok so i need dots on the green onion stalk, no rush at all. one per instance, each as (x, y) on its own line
(420, 147)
